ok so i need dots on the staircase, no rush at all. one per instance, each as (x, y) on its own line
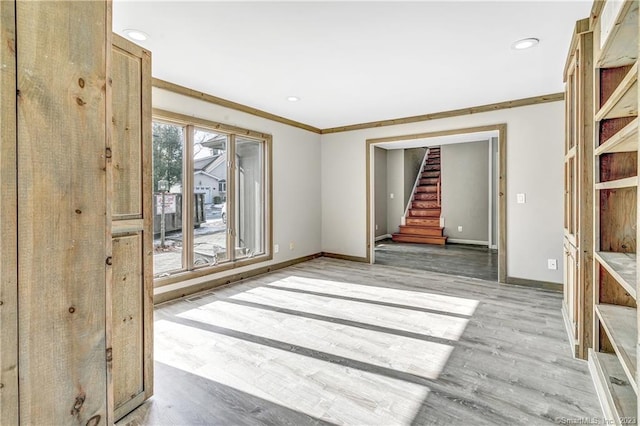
(422, 220)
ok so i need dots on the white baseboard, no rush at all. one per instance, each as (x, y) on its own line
(382, 237)
(474, 242)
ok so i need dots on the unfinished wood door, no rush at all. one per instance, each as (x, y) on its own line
(131, 287)
(8, 219)
(62, 67)
(578, 161)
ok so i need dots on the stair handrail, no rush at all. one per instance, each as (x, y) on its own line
(415, 184)
(439, 192)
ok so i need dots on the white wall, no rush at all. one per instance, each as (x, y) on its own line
(296, 175)
(534, 166)
(465, 191)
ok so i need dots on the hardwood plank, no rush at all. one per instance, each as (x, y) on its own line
(398, 319)
(62, 202)
(622, 267)
(619, 322)
(509, 366)
(419, 357)
(8, 218)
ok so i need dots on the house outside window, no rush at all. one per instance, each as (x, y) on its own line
(229, 170)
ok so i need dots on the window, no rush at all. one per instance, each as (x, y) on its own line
(224, 221)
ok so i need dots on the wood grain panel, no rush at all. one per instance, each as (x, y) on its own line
(608, 128)
(613, 293)
(127, 134)
(605, 343)
(132, 305)
(128, 318)
(8, 219)
(62, 129)
(618, 209)
(610, 78)
(618, 165)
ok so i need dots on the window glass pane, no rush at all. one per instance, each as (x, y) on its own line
(249, 202)
(168, 146)
(210, 198)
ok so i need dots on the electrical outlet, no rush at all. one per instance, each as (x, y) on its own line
(521, 198)
(459, 228)
(276, 248)
(552, 264)
(291, 245)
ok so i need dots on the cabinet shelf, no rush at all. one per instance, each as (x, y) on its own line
(619, 34)
(616, 395)
(620, 324)
(622, 267)
(625, 140)
(624, 100)
(629, 182)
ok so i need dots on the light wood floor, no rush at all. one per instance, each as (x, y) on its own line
(453, 259)
(336, 342)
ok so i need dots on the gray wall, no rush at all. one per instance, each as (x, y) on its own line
(380, 196)
(395, 186)
(465, 190)
(412, 164)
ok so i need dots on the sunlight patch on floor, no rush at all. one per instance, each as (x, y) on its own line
(419, 299)
(425, 323)
(324, 390)
(415, 356)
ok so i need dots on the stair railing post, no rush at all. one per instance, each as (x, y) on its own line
(438, 189)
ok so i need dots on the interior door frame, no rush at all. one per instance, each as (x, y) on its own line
(502, 185)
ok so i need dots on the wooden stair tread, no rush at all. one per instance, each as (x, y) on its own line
(432, 231)
(421, 239)
(422, 222)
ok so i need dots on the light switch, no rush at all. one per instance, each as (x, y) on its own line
(391, 195)
(521, 199)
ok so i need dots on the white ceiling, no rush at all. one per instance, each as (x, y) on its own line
(354, 62)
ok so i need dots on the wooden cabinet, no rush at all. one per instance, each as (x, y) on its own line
(131, 284)
(75, 215)
(578, 190)
(615, 339)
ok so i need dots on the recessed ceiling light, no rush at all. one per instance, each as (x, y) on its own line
(525, 43)
(293, 98)
(136, 35)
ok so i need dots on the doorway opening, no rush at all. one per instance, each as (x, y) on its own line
(458, 230)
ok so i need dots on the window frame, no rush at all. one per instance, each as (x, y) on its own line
(189, 124)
